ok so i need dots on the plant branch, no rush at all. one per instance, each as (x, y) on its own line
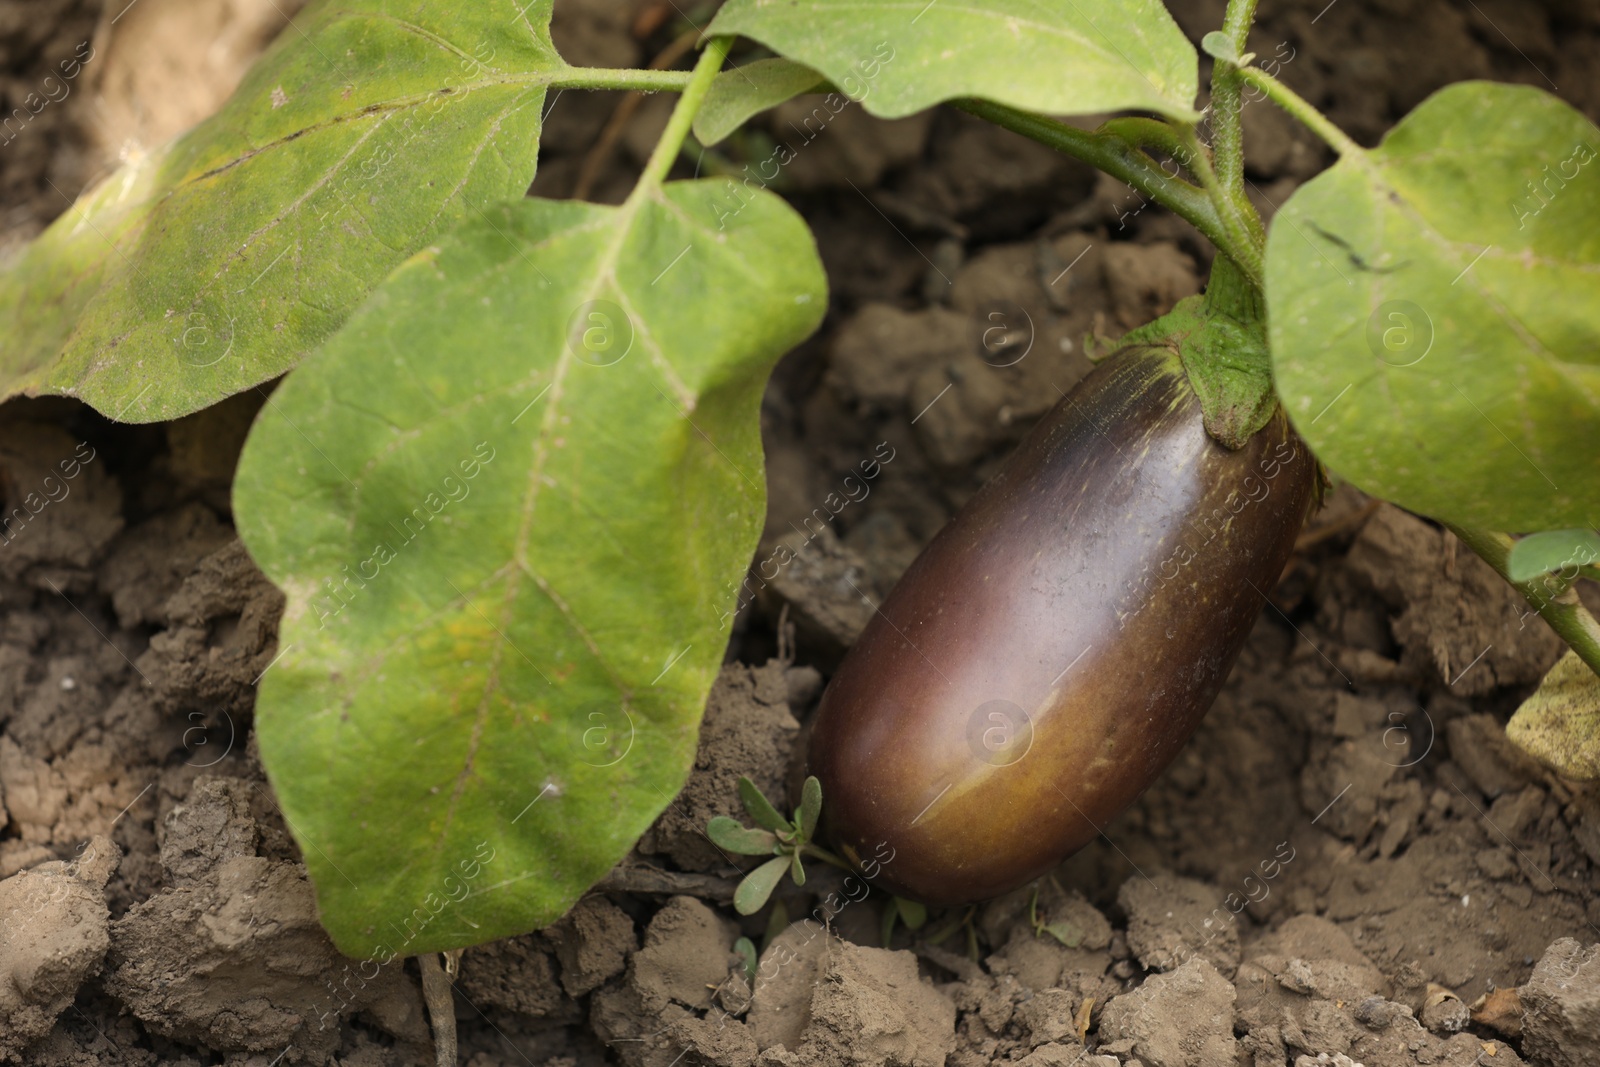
(1107, 151)
(1299, 108)
(644, 81)
(694, 93)
(1551, 595)
(1248, 239)
(1227, 99)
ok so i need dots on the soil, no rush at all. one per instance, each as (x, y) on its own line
(1348, 865)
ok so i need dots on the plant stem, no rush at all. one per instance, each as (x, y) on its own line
(644, 81)
(1248, 239)
(1551, 595)
(441, 1008)
(1298, 108)
(820, 853)
(1227, 101)
(1107, 151)
(694, 92)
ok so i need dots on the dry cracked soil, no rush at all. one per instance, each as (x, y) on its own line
(1349, 865)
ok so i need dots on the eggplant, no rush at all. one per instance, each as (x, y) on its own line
(1059, 640)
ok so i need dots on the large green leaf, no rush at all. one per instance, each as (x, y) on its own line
(1058, 57)
(1435, 324)
(368, 129)
(509, 503)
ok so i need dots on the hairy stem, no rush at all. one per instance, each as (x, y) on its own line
(1551, 595)
(1118, 157)
(1243, 224)
(1298, 108)
(1227, 99)
(644, 81)
(694, 93)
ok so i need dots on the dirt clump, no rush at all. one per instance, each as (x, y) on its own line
(53, 938)
(1561, 1006)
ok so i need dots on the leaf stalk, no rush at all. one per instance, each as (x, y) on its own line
(694, 94)
(1106, 149)
(1551, 595)
(1300, 109)
(643, 81)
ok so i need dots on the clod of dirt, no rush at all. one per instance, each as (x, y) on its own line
(222, 958)
(1561, 1006)
(1147, 280)
(150, 562)
(222, 632)
(54, 937)
(593, 942)
(1330, 965)
(517, 975)
(787, 976)
(1171, 919)
(872, 1008)
(1180, 1019)
(647, 1018)
(747, 731)
(214, 824)
(881, 349)
(1443, 1012)
(61, 507)
(1479, 747)
(828, 588)
(1456, 619)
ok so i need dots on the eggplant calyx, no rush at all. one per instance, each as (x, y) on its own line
(1221, 338)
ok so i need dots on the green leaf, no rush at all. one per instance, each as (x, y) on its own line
(741, 840)
(1553, 550)
(758, 885)
(797, 870)
(1064, 932)
(746, 950)
(741, 92)
(510, 503)
(760, 808)
(1058, 57)
(810, 808)
(777, 922)
(913, 913)
(1560, 724)
(367, 130)
(1435, 327)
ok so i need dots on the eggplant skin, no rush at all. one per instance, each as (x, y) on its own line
(1057, 643)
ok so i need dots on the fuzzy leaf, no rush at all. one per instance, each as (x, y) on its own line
(1057, 57)
(1553, 550)
(913, 913)
(760, 808)
(197, 271)
(509, 504)
(758, 885)
(1560, 724)
(737, 94)
(739, 839)
(810, 808)
(1434, 311)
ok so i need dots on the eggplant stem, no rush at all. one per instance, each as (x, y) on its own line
(1227, 100)
(1551, 595)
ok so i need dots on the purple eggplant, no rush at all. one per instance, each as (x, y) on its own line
(1057, 643)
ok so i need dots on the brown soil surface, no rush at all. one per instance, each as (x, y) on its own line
(1347, 858)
